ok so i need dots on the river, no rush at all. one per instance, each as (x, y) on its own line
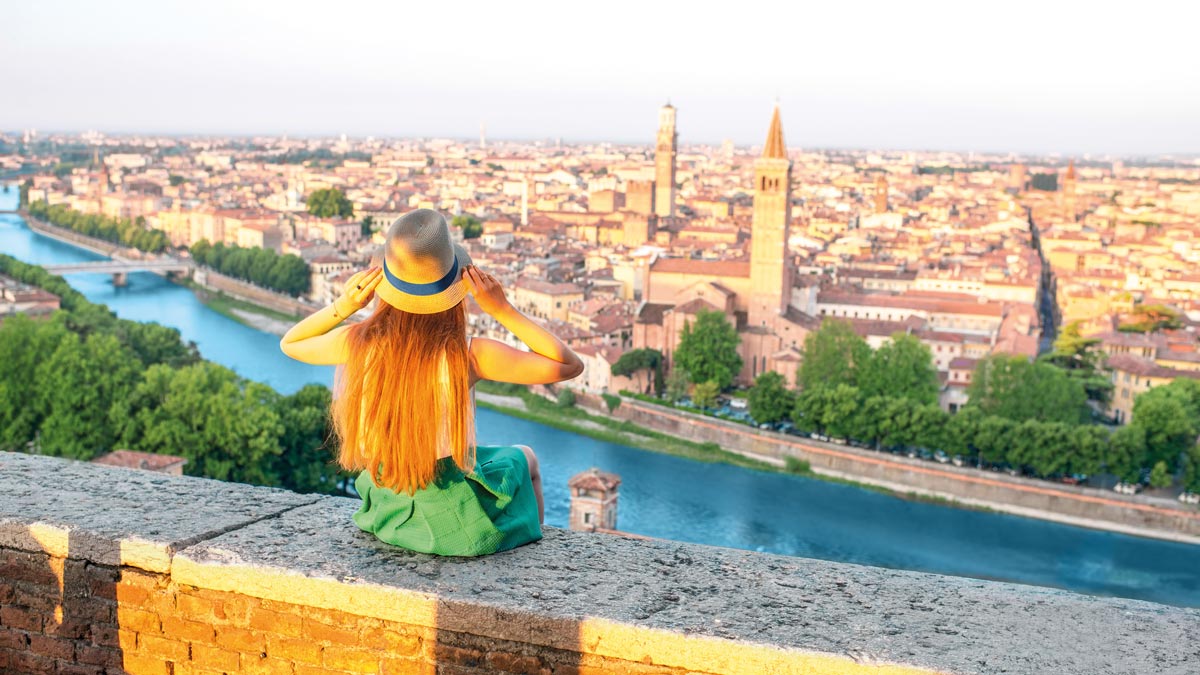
(672, 498)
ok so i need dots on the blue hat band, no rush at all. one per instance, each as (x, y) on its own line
(431, 288)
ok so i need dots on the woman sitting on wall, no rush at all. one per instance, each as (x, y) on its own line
(403, 404)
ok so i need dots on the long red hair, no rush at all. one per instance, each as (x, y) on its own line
(403, 394)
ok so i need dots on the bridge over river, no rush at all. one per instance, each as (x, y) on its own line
(120, 268)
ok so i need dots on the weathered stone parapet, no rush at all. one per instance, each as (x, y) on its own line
(108, 570)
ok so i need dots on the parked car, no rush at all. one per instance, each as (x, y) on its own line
(941, 457)
(1127, 488)
(1189, 497)
(1074, 478)
(738, 404)
(958, 460)
(820, 437)
(838, 441)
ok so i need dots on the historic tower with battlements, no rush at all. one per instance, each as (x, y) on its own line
(664, 162)
(770, 263)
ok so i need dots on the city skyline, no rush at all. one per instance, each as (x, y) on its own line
(1032, 82)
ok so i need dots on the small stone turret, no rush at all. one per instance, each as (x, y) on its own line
(594, 500)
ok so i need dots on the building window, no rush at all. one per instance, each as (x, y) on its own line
(587, 518)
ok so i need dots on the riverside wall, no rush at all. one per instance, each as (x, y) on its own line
(111, 570)
(1087, 507)
(248, 292)
(70, 236)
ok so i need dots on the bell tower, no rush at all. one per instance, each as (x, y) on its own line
(770, 263)
(1070, 210)
(664, 162)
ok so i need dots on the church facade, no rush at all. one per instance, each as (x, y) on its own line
(758, 297)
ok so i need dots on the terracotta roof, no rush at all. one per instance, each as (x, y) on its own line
(538, 286)
(963, 363)
(652, 312)
(594, 479)
(695, 306)
(708, 268)
(131, 459)
(1127, 363)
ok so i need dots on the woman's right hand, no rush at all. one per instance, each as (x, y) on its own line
(486, 290)
(358, 291)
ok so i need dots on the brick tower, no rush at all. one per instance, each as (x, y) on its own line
(593, 500)
(881, 193)
(1068, 192)
(770, 264)
(664, 162)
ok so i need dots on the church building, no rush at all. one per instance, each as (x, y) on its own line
(759, 297)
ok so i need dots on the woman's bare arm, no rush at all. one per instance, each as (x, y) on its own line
(549, 360)
(318, 339)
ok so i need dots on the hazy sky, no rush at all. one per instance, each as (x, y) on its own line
(1044, 76)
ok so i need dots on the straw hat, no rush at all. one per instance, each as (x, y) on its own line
(422, 267)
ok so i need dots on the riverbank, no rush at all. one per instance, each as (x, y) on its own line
(897, 477)
(246, 313)
(529, 406)
(533, 408)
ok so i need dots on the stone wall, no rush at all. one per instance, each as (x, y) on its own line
(90, 243)
(110, 570)
(1023, 496)
(253, 294)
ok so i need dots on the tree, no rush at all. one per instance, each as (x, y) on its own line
(1088, 449)
(994, 438)
(1170, 415)
(226, 427)
(961, 431)
(1015, 388)
(611, 401)
(1191, 469)
(330, 203)
(708, 350)
(643, 362)
(704, 394)
(1160, 477)
(902, 367)
(867, 424)
(769, 399)
(566, 398)
(76, 388)
(1079, 358)
(470, 226)
(1150, 318)
(175, 180)
(306, 462)
(833, 354)
(678, 384)
(1126, 452)
(829, 409)
(24, 344)
(367, 227)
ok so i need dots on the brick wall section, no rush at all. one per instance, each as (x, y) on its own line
(127, 620)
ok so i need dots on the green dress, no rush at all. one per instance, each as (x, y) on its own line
(491, 509)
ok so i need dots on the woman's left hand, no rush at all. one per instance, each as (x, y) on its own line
(358, 291)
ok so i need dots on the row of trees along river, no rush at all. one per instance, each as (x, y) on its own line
(1037, 417)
